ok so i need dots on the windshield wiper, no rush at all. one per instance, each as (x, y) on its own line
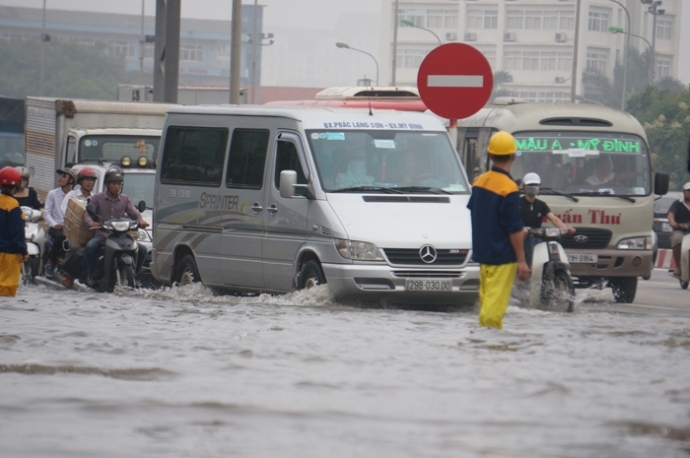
(599, 193)
(369, 188)
(430, 189)
(557, 193)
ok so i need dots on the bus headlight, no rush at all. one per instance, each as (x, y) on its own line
(635, 243)
(358, 251)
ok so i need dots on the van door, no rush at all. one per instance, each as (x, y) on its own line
(286, 219)
(243, 203)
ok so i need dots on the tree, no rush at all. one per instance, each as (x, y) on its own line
(71, 70)
(500, 78)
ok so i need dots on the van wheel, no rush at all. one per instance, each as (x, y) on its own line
(187, 272)
(310, 275)
(624, 289)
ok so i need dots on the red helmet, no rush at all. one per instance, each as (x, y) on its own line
(9, 176)
(86, 172)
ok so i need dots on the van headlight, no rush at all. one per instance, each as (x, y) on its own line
(635, 243)
(358, 251)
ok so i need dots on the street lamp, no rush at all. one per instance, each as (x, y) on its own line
(346, 46)
(655, 11)
(616, 30)
(625, 56)
(409, 23)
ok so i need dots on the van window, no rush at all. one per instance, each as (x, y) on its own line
(247, 158)
(194, 155)
(288, 159)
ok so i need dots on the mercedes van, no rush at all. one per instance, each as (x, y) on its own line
(272, 199)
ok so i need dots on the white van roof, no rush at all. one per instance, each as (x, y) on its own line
(325, 118)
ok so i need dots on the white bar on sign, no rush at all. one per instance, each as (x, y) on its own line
(455, 81)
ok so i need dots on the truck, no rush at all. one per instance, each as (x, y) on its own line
(11, 131)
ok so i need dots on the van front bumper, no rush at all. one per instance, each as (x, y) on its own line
(383, 282)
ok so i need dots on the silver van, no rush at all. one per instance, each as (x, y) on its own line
(260, 199)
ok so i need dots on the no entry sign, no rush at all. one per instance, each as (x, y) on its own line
(455, 80)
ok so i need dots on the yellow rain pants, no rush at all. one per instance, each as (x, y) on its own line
(10, 271)
(495, 285)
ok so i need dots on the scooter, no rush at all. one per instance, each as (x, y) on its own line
(117, 257)
(35, 238)
(550, 284)
(684, 256)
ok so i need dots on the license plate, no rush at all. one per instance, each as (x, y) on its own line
(665, 227)
(428, 285)
(582, 258)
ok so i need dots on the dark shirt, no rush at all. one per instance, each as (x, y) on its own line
(12, 239)
(533, 214)
(31, 200)
(109, 209)
(495, 209)
(680, 211)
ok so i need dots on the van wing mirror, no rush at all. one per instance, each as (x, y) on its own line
(288, 180)
(141, 206)
(661, 180)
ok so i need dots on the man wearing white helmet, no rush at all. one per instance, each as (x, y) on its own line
(534, 211)
(679, 213)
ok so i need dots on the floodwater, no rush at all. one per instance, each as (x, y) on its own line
(187, 373)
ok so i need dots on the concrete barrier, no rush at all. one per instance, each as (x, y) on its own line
(665, 260)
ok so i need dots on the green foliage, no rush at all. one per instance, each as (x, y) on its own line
(71, 70)
(665, 116)
(500, 78)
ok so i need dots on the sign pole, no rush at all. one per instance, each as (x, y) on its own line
(453, 132)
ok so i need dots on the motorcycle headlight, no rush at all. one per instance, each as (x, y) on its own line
(358, 251)
(121, 226)
(635, 243)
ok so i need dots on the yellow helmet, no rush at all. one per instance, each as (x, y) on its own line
(502, 144)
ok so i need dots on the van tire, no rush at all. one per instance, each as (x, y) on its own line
(187, 272)
(310, 275)
(624, 289)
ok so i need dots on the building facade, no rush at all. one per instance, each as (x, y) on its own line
(533, 40)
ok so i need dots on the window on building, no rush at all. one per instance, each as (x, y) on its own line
(191, 53)
(12, 36)
(247, 158)
(533, 20)
(441, 19)
(482, 18)
(223, 51)
(663, 28)
(558, 20)
(121, 48)
(544, 60)
(194, 155)
(418, 16)
(148, 50)
(598, 20)
(515, 19)
(596, 61)
(490, 56)
(662, 67)
(411, 58)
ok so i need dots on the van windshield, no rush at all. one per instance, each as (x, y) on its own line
(585, 163)
(398, 160)
(112, 148)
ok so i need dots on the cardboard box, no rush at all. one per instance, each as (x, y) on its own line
(75, 229)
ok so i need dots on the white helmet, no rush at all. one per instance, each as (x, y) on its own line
(531, 178)
(686, 186)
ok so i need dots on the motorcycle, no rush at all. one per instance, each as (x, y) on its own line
(550, 284)
(35, 238)
(116, 259)
(684, 256)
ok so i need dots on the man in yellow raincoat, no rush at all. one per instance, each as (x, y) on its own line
(497, 231)
(12, 243)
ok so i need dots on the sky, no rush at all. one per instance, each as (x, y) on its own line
(317, 14)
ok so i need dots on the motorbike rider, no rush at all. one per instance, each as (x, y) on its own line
(25, 194)
(86, 179)
(12, 244)
(679, 213)
(108, 205)
(55, 217)
(533, 211)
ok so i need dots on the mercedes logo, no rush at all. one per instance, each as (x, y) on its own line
(428, 254)
(581, 238)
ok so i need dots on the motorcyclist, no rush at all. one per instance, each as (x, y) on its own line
(86, 179)
(55, 217)
(108, 205)
(25, 194)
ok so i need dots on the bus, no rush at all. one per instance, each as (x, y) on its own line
(596, 172)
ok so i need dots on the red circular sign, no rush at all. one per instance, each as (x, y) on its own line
(455, 80)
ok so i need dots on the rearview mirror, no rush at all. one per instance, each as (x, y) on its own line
(141, 206)
(288, 179)
(661, 180)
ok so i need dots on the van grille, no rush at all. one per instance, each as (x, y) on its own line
(410, 256)
(596, 239)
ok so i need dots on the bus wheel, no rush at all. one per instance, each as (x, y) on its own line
(187, 272)
(310, 275)
(624, 289)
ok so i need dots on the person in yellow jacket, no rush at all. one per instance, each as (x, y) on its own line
(12, 242)
(497, 231)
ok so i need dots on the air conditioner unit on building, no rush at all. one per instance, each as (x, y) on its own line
(509, 36)
(451, 36)
(470, 36)
(560, 79)
(561, 37)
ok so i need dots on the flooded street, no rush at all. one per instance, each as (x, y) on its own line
(183, 372)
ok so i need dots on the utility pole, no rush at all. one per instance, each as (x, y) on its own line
(254, 47)
(235, 51)
(43, 52)
(166, 66)
(395, 42)
(141, 46)
(576, 45)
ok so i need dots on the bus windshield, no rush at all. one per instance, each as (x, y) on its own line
(352, 161)
(112, 148)
(585, 163)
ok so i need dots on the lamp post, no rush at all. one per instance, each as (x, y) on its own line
(655, 11)
(625, 56)
(576, 45)
(346, 46)
(395, 42)
(409, 23)
(615, 30)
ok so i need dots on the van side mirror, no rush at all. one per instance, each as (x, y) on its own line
(288, 180)
(141, 206)
(661, 180)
